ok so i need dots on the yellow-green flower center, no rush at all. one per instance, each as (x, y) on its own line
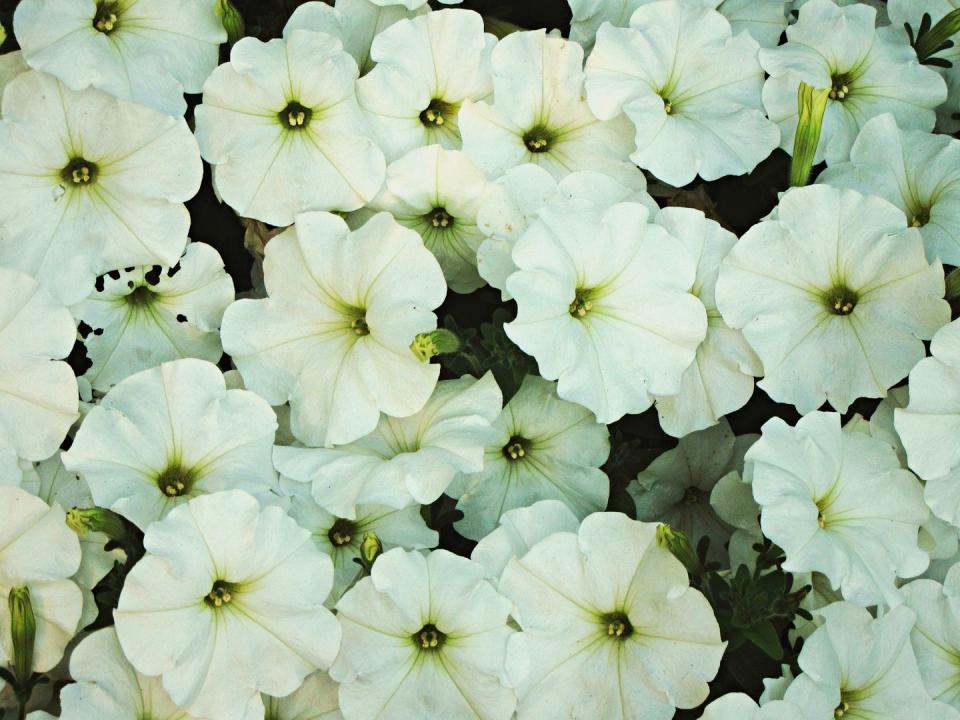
(342, 532)
(516, 448)
(79, 172)
(538, 139)
(840, 300)
(222, 593)
(295, 116)
(438, 113)
(429, 638)
(840, 85)
(175, 481)
(617, 626)
(107, 17)
(582, 303)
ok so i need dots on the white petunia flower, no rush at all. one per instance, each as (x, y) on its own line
(316, 699)
(38, 393)
(519, 530)
(691, 88)
(835, 296)
(165, 435)
(424, 636)
(936, 635)
(227, 603)
(139, 317)
(604, 305)
(611, 625)
(355, 22)
(676, 487)
(868, 71)
(917, 171)
(438, 193)
(148, 51)
(839, 503)
(855, 666)
(107, 686)
(540, 114)
(765, 20)
(39, 552)
(427, 67)
(518, 196)
(928, 424)
(720, 379)
(739, 706)
(11, 65)
(404, 461)
(90, 183)
(912, 12)
(281, 126)
(341, 537)
(334, 336)
(542, 448)
(51, 482)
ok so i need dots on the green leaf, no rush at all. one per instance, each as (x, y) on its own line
(764, 636)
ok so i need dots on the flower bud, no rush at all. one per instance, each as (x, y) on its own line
(3, 35)
(232, 21)
(812, 103)
(23, 630)
(679, 545)
(437, 342)
(371, 548)
(95, 519)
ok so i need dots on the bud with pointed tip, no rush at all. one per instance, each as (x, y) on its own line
(811, 104)
(96, 519)
(437, 342)
(23, 631)
(371, 548)
(232, 21)
(677, 543)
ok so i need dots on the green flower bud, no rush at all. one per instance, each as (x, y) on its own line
(679, 545)
(437, 342)
(95, 519)
(812, 103)
(232, 21)
(3, 35)
(23, 630)
(371, 548)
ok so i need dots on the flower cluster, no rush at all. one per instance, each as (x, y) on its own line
(387, 359)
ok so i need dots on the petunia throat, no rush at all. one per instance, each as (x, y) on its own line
(516, 448)
(429, 638)
(582, 303)
(438, 113)
(222, 593)
(538, 139)
(840, 300)
(106, 17)
(295, 116)
(617, 625)
(79, 172)
(342, 533)
(175, 480)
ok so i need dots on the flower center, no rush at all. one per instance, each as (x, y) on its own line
(921, 217)
(516, 448)
(141, 296)
(106, 16)
(841, 300)
(295, 116)
(538, 139)
(437, 113)
(667, 106)
(693, 496)
(440, 218)
(842, 709)
(840, 86)
(342, 532)
(175, 481)
(582, 303)
(220, 594)
(618, 626)
(79, 172)
(429, 638)
(359, 326)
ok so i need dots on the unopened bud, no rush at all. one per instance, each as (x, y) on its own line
(679, 545)
(811, 104)
(232, 21)
(3, 35)
(95, 519)
(437, 342)
(371, 548)
(23, 630)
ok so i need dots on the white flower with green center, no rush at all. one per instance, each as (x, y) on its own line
(676, 487)
(611, 625)
(40, 553)
(106, 685)
(522, 191)
(427, 67)
(740, 706)
(929, 423)
(839, 503)
(720, 379)
(355, 22)
(38, 393)
(855, 666)
(316, 699)
(425, 636)
(139, 317)
(519, 530)
(148, 51)
(438, 193)
(341, 537)
(936, 635)
(539, 114)
(228, 603)
(604, 305)
(868, 72)
(835, 296)
(543, 448)
(765, 20)
(333, 337)
(52, 483)
(919, 172)
(171, 433)
(281, 127)
(690, 87)
(404, 461)
(912, 12)
(90, 183)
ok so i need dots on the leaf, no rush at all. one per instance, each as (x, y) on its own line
(764, 636)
